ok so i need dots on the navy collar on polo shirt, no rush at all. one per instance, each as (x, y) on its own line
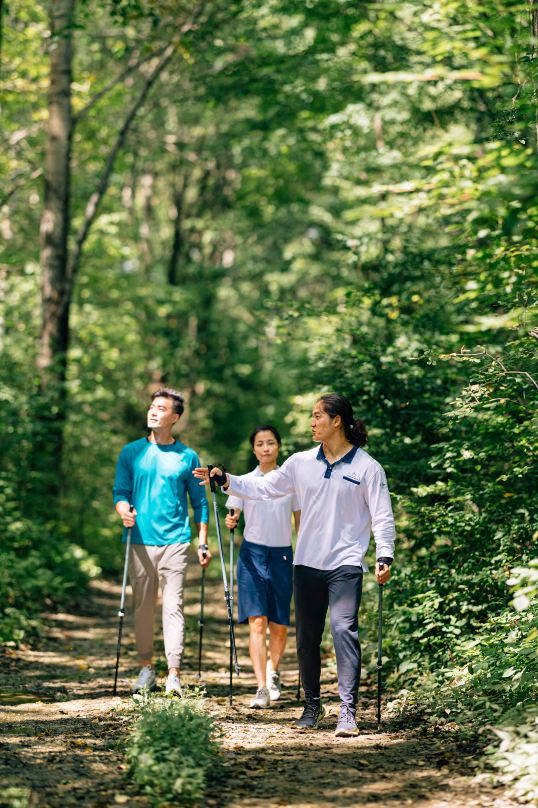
(347, 458)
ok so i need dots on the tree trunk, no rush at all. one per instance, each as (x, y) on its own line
(177, 241)
(534, 19)
(144, 229)
(533, 6)
(56, 209)
(1, 33)
(54, 339)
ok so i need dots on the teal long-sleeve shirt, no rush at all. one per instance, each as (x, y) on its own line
(156, 479)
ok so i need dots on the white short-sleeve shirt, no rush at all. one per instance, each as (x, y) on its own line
(267, 521)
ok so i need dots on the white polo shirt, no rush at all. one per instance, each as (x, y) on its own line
(267, 521)
(340, 505)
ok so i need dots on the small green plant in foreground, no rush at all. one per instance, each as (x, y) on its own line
(172, 748)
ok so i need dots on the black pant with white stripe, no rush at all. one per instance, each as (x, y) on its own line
(339, 591)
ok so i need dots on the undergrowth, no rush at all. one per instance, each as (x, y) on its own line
(487, 691)
(39, 571)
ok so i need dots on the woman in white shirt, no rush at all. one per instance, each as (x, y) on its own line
(343, 496)
(265, 568)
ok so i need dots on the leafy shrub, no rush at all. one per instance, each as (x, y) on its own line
(517, 756)
(494, 685)
(38, 570)
(172, 748)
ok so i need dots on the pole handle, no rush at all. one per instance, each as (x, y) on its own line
(212, 483)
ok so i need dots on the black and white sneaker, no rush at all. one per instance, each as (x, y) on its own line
(313, 712)
(273, 684)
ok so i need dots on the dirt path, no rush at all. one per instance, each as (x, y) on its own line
(62, 730)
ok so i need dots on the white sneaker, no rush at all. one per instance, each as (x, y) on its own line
(262, 699)
(146, 679)
(273, 684)
(173, 685)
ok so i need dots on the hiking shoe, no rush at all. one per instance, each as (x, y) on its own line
(146, 679)
(173, 685)
(313, 712)
(347, 725)
(273, 684)
(262, 699)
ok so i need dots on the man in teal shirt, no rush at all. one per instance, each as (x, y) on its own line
(153, 478)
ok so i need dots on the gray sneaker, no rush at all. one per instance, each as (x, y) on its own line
(261, 699)
(146, 679)
(347, 725)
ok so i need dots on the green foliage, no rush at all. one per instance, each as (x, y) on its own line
(172, 750)
(16, 797)
(38, 570)
(315, 196)
(491, 679)
(515, 758)
(42, 566)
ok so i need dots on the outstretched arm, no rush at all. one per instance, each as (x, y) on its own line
(277, 483)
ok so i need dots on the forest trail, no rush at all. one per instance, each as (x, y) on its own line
(62, 729)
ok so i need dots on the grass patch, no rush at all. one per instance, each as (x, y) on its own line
(173, 749)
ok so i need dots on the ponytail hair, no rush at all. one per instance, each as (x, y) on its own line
(354, 429)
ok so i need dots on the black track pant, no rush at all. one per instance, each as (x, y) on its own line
(340, 591)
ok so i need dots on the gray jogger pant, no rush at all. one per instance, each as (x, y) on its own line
(150, 566)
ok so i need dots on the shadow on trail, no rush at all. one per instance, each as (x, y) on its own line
(342, 773)
(69, 754)
(70, 751)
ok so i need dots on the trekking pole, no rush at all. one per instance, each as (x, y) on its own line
(231, 599)
(233, 648)
(121, 612)
(379, 646)
(299, 686)
(204, 549)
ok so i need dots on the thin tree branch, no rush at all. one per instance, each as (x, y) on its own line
(23, 181)
(505, 371)
(131, 67)
(96, 197)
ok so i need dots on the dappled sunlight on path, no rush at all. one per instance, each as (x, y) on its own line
(62, 731)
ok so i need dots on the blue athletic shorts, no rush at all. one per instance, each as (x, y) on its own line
(264, 582)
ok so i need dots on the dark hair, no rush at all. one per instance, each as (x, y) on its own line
(178, 401)
(266, 428)
(354, 428)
